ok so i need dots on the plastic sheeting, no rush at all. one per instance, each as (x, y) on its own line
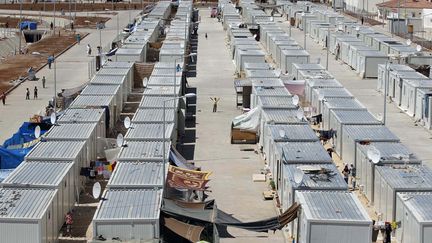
(25, 134)
(249, 121)
(11, 158)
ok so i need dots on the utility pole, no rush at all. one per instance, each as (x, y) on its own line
(20, 29)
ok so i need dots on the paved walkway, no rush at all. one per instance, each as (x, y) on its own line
(72, 71)
(231, 181)
(416, 138)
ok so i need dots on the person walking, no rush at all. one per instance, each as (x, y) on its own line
(353, 172)
(89, 49)
(215, 102)
(337, 51)
(206, 35)
(27, 94)
(345, 173)
(50, 60)
(78, 38)
(72, 26)
(35, 93)
(51, 26)
(4, 98)
(362, 20)
(43, 82)
(69, 222)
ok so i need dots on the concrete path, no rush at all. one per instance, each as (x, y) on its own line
(231, 181)
(416, 138)
(72, 71)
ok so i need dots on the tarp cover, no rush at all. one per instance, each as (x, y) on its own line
(179, 160)
(249, 121)
(295, 87)
(11, 158)
(25, 134)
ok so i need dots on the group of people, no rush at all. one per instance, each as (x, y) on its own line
(35, 93)
(350, 171)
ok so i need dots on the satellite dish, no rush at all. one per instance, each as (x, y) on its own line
(298, 176)
(278, 72)
(120, 140)
(271, 19)
(299, 114)
(418, 48)
(321, 97)
(374, 155)
(295, 99)
(96, 190)
(357, 28)
(145, 82)
(255, 36)
(53, 118)
(37, 132)
(127, 122)
(282, 133)
(408, 42)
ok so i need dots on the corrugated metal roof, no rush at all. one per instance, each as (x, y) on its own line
(118, 64)
(389, 150)
(60, 150)
(149, 131)
(343, 102)
(165, 72)
(258, 65)
(101, 90)
(39, 173)
(331, 181)
(131, 204)
(315, 74)
(285, 52)
(167, 65)
(143, 150)
(71, 131)
(419, 203)
(409, 177)
(266, 82)
(91, 100)
(164, 81)
(354, 117)
(82, 115)
(276, 102)
(369, 132)
(296, 152)
(292, 132)
(332, 205)
(28, 204)
(137, 175)
(107, 79)
(129, 51)
(156, 102)
(308, 66)
(160, 91)
(259, 73)
(334, 92)
(280, 116)
(271, 91)
(251, 53)
(114, 71)
(424, 83)
(153, 115)
(324, 83)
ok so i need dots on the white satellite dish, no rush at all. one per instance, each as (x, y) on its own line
(37, 132)
(321, 97)
(357, 28)
(53, 118)
(299, 114)
(295, 99)
(96, 190)
(181, 45)
(271, 19)
(255, 36)
(374, 155)
(278, 72)
(298, 176)
(282, 133)
(120, 140)
(408, 42)
(127, 122)
(418, 48)
(145, 82)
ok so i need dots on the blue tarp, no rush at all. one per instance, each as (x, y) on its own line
(11, 158)
(28, 25)
(25, 134)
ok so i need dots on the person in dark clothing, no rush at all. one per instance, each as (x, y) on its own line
(362, 20)
(27, 94)
(345, 173)
(51, 25)
(35, 93)
(215, 102)
(4, 98)
(330, 152)
(206, 35)
(387, 233)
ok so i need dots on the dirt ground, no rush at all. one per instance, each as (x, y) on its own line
(13, 67)
(13, 22)
(79, 6)
(88, 22)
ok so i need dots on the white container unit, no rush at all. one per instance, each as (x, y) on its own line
(394, 80)
(317, 83)
(99, 101)
(244, 47)
(286, 133)
(257, 66)
(353, 135)
(340, 118)
(331, 216)
(390, 153)
(140, 222)
(368, 61)
(157, 102)
(151, 132)
(119, 71)
(383, 74)
(48, 175)
(389, 180)
(113, 80)
(131, 54)
(409, 94)
(114, 90)
(275, 91)
(155, 115)
(256, 74)
(424, 107)
(165, 81)
(161, 91)
(415, 214)
(314, 74)
(29, 215)
(345, 46)
(353, 51)
(249, 56)
(170, 55)
(150, 151)
(282, 102)
(325, 93)
(295, 153)
(333, 104)
(305, 66)
(288, 57)
(86, 116)
(137, 175)
(399, 84)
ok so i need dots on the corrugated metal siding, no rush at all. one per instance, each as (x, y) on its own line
(311, 181)
(334, 103)
(388, 150)
(153, 115)
(276, 102)
(39, 173)
(316, 74)
(91, 100)
(64, 150)
(71, 131)
(316, 83)
(156, 102)
(266, 82)
(107, 79)
(161, 80)
(137, 175)
(129, 51)
(167, 65)
(281, 115)
(165, 73)
(118, 65)
(271, 91)
(419, 204)
(303, 152)
(129, 204)
(365, 132)
(114, 71)
(308, 66)
(354, 117)
(293, 132)
(251, 65)
(101, 90)
(149, 131)
(254, 73)
(160, 91)
(30, 204)
(332, 205)
(414, 177)
(334, 92)
(82, 115)
(143, 150)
